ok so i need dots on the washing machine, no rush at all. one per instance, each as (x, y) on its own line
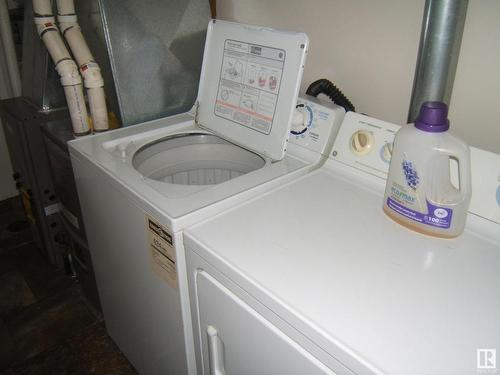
(140, 186)
(313, 277)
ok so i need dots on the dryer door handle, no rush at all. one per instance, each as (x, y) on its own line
(215, 352)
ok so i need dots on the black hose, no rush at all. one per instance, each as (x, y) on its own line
(324, 86)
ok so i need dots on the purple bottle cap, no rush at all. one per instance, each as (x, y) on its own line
(433, 117)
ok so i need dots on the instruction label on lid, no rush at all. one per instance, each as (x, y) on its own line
(249, 84)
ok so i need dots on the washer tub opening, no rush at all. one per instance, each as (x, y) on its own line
(194, 159)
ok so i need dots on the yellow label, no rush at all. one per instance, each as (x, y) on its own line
(28, 209)
(161, 247)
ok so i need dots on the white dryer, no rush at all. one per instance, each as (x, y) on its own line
(313, 277)
(140, 186)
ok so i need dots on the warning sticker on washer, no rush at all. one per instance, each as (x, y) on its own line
(249, 84)
(162, 251)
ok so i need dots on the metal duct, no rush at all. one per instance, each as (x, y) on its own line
(156, 50)
(440, 40)
(150, 55)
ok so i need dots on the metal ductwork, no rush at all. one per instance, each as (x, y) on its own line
(149, 53)
(155, 50)
(440, 40)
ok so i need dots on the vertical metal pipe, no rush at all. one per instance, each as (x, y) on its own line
(440, 40)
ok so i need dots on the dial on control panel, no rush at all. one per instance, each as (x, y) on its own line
(361, 142)
(386, 152)
(302, 119)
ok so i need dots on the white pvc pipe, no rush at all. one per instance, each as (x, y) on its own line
(97, 103)
(54, 44)
(42, 8)
(89, 69)
(77, 109)
(65, 7)
(9, 49)
(65, 66)
(76, 41)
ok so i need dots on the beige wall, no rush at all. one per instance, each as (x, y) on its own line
(369, 48)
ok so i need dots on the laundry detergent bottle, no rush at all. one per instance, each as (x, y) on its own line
(420, 193)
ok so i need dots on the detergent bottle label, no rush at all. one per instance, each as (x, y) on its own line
(436, 216)
(405, 200)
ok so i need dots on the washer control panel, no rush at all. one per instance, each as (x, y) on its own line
(365, 143)
(315, 124)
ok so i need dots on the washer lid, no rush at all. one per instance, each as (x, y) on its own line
(249, 84)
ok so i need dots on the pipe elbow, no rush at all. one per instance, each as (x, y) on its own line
(92, 76)
(69, 73)
(44, 24)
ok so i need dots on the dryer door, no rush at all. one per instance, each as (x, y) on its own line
(236, 339)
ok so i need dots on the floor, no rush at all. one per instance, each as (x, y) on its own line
(46, 325)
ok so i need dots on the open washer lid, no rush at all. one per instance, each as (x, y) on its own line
(249, 84)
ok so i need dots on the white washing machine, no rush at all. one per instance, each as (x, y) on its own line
(140, 186)
(313, 277)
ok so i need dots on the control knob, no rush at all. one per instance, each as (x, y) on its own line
(362, 142)
(302, 119)
(386, 152)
